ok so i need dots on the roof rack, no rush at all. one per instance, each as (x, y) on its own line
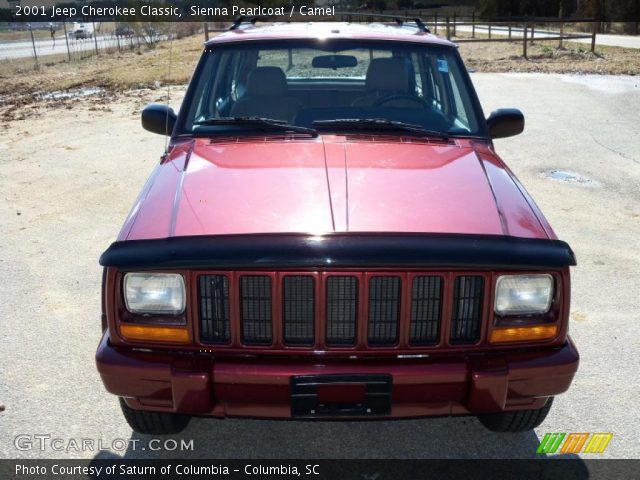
(400, 20)
(248, 20)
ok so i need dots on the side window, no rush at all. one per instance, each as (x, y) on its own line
(461, 114)
(222, 85)
(459, 99)
(434, 88)
(240, 69)
(418, 72)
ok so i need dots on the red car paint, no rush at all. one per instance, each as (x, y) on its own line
(374, 185)
(333, 183)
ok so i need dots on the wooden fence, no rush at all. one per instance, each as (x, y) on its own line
(521, 30)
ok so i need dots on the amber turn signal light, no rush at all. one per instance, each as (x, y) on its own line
(152, 333)
(523, 334)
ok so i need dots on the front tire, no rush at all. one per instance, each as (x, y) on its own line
(154, 423)
(513, 422)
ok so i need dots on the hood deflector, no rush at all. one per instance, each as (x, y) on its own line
(352, 250)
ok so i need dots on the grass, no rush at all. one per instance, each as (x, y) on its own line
(113, 70)
(24, 35)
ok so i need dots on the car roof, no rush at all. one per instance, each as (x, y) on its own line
(328, 30)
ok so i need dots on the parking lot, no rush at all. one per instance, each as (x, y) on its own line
(70, 174)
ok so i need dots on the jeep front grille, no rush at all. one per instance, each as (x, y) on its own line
(298, 309)
(384, 310)
(467, 309)
(426, 310)
(340, 310)
(255, 309)
(214, 308)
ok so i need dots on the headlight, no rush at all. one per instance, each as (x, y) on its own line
(154, 293)
(523, 294)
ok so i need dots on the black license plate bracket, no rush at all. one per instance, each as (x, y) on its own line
(307, 403)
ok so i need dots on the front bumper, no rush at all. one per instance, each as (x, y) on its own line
(261, 386)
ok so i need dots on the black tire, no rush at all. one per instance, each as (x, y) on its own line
(519, 421)
(154, 423)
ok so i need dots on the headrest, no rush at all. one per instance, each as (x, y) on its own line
(387, 74)
(266, 82)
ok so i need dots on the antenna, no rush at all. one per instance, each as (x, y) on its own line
(166, 125)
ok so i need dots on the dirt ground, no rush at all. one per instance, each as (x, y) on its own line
(546, 57)
(71, 169)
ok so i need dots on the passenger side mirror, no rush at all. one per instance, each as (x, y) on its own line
(505, 122)
(158, 118)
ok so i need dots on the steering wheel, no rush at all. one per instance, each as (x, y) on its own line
(400, 96)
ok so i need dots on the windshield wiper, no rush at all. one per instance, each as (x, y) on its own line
(380, 124)
(263, 123)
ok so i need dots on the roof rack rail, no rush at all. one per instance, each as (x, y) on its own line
(248, 20)
(400, 20)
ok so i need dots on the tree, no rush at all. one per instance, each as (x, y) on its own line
(380, 5)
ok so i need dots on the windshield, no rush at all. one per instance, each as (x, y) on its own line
(314, 84)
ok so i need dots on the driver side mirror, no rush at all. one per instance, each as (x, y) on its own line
(158, 118)
(505, 122)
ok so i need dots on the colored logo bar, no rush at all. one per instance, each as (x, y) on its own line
(574, 442)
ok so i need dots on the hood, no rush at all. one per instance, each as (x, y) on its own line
(330, 184)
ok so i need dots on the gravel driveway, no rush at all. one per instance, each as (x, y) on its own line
(69, 176)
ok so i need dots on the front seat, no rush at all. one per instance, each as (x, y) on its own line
(266, 96)
(386, 76)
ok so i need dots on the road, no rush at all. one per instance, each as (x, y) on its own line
(24, 49)
(69, 175)
(625, 41)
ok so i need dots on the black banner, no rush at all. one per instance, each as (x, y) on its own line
(39, 11)
(164, 11)
(564, 467)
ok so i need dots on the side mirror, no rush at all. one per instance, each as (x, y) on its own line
(158, 118)
(505, 122)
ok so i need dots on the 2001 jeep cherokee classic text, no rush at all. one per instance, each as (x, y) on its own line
(331, 234)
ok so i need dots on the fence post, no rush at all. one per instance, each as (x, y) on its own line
(454, 24)
(561, 34)
(206, 31)
(509, 31)
(95, 37)
(448, 29)
(118, 39)
(66, 38)
(473, 24)
(33, 43)
(593, 38)
(435, 22)
(524, 41)
(533, 27)
(489, 30)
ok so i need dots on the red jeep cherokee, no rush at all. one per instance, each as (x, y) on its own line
(332, 235)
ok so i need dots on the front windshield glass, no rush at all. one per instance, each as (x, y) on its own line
(311, 84)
